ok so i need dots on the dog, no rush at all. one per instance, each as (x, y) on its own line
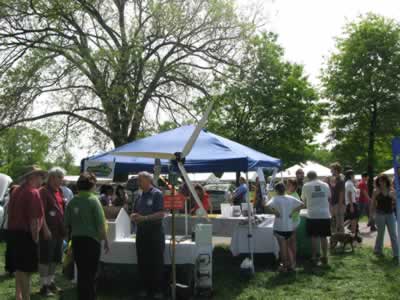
(344, 238)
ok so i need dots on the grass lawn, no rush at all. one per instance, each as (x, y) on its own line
(351, 276)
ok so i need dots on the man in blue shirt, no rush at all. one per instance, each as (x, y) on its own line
(148, 213)
(240, 194)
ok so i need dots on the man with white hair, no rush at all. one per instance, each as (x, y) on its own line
(148, 213)
(50, 250)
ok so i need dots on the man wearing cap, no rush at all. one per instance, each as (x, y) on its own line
(148, 213)
(24, 224)
(50, 250)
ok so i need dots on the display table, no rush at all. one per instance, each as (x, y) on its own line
(123, 251)
(122, 245)
(222, 226)
(263, 240)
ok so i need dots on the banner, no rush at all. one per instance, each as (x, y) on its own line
(100, 169)
(396, 167)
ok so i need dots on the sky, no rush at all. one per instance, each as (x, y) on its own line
(307, 29)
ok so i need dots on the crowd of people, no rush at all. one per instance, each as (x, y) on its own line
(333, 204)
(42, 214)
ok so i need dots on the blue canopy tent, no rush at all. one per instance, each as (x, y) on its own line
(210, 153)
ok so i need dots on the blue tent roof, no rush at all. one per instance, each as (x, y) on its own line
(210, 153)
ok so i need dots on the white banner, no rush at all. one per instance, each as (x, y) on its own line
(100, 169)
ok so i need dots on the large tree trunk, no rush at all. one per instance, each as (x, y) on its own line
(371, 148)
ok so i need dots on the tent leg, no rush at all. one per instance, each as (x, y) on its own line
(250, 233)
(186, 219)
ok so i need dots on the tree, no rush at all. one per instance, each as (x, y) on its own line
(270, 105)
(105, 62)
(66, 161)
(21, 147)
(361, 81)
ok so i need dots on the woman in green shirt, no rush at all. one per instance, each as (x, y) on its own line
(86, 224)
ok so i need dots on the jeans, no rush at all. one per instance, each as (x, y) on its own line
(382, 221)
(87, 255)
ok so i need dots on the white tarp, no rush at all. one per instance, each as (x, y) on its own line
(321, 170)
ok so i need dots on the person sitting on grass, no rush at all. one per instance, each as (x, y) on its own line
(283, 206)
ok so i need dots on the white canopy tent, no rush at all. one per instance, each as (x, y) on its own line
(201, 177)
(231, 176)
(321, 170)
(389, 172)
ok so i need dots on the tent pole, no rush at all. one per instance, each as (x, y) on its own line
(173, 287)
(186, 218)
(250, 234)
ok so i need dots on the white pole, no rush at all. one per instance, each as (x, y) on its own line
(250, 233)
(186, 218)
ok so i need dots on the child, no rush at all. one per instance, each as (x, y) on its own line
(283, 206)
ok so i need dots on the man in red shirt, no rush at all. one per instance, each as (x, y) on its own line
(365, 200)
(50, 250)
(25, 220)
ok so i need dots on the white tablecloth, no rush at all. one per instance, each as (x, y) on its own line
(123, 251)
(263, 240)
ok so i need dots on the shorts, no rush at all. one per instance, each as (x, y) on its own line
(50, 251)
(352, 215)
(26, 251)
(284, 234)
(318, 227)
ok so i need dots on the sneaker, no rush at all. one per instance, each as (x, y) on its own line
(54, 289)
(282, 269)
(314, 262)
(45, 292)
(378, 254)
